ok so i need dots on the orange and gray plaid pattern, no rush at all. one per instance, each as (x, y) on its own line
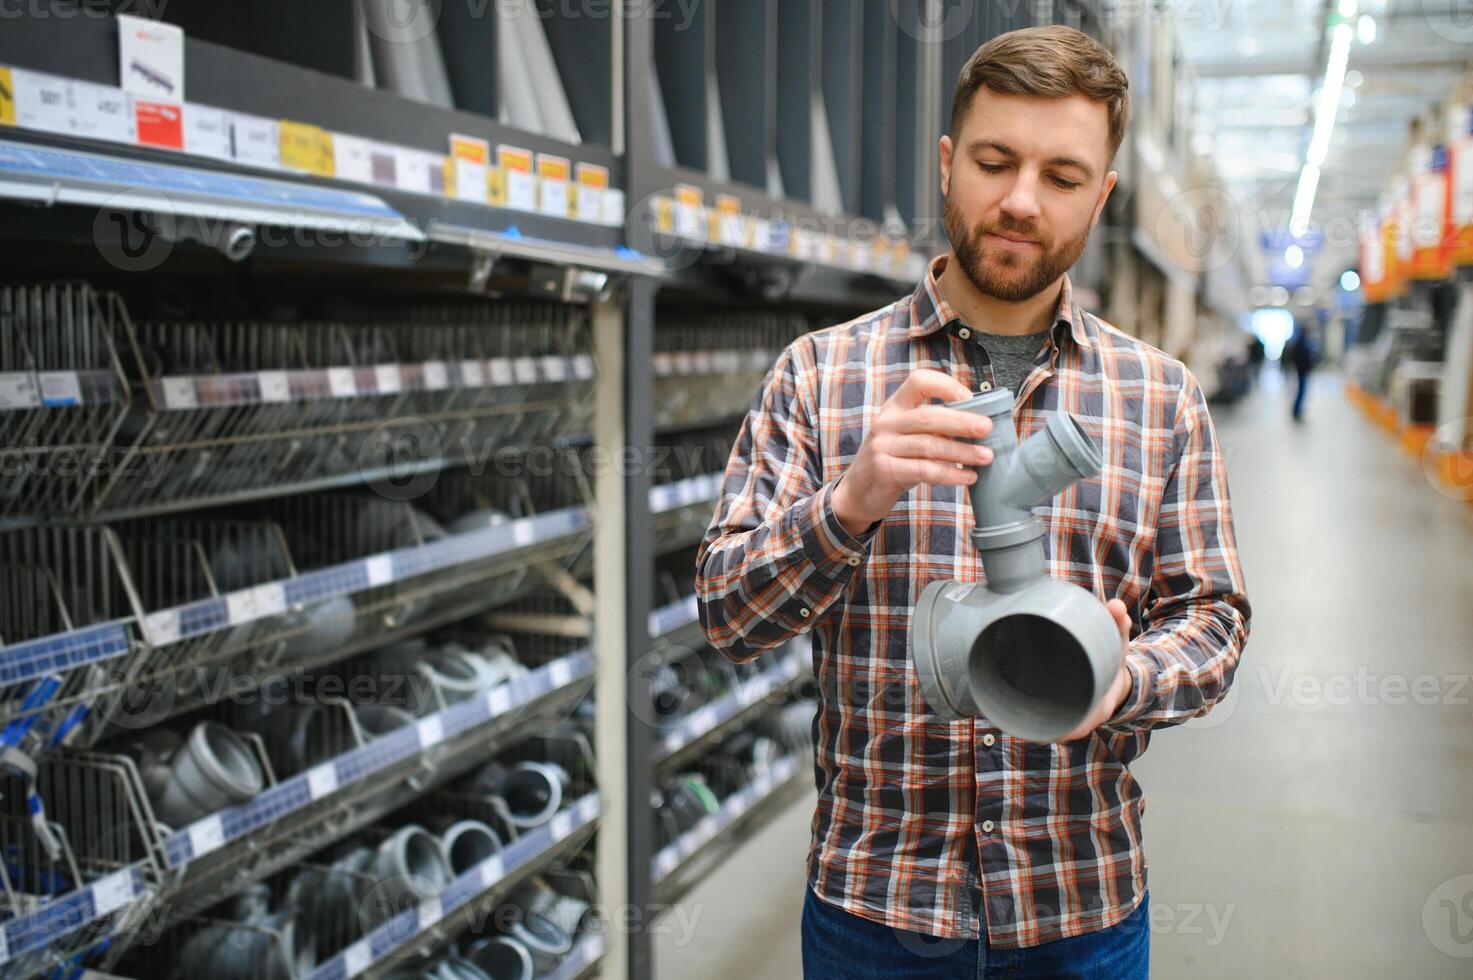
(954, 829)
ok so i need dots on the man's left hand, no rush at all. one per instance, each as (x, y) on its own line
(1107, 705)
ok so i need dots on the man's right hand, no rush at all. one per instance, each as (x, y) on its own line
(911, 442)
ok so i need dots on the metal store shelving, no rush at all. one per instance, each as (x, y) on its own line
(642, 363)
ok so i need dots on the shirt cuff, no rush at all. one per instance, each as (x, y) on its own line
(1142, 687)
(826, 541)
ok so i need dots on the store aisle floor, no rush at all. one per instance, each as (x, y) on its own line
(1317, 822)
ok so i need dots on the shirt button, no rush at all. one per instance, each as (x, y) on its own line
(852, 560)
(805, 612)
(989, 738)
(964, 333)
(987, 826)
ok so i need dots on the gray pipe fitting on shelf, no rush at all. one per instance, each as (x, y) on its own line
(1031, 653)
(212, 770)
(410, 866)
(467, 843)
(502, 958)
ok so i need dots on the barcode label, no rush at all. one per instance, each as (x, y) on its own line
(60, 388)
(380, 570)
(554, 368)
(472, 373)
(431, 733)
(525, 370)
(180, 393)
(251, 604)
(561, 672)
(274, 386)
(162, 628)
(388, 379)
(18, 390)
(357, 957)
(429, 912)
(206, 836)
(521, 532)
(322, 780)
(342, 382)
(436, 377)
(491, 870)
(500, 369)
(498, 700)
(113, 892)
(562, 825)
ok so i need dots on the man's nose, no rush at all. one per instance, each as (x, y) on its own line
(1022, 199)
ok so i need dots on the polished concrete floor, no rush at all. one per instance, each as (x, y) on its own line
(1319, 823)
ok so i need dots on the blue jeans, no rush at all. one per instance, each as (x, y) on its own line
(841, 946)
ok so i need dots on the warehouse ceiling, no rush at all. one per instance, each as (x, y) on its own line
(1259, 64)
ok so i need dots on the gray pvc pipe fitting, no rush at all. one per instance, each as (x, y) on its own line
(213, 769)
(1031, 653)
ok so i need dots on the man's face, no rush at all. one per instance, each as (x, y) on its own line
(1025, 180)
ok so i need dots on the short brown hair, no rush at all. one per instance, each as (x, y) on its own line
(1052, 62)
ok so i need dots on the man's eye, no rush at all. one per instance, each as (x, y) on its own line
(992, 168)
(1065, 185)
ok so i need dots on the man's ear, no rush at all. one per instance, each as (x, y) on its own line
(946, 150)
(1110, 179)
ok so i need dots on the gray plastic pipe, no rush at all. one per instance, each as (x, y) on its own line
(1030, 653)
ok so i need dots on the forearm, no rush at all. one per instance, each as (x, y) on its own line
(1183, 663)
(759, 586)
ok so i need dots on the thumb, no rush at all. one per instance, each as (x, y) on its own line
(1122, 617)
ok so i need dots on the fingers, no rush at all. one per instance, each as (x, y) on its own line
(910, 471)
(924, 383)
(945, 421)
(939, 448)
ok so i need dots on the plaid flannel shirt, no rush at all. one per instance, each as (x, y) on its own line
(938, 826)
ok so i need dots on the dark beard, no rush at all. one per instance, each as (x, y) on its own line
(1009, 276)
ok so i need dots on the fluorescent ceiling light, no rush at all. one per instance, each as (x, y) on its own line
(1324, 117)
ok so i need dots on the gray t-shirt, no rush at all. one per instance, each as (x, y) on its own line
(1012, 356)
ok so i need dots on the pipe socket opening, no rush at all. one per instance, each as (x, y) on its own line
(1031, 675)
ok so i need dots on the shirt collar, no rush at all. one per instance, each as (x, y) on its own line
(929, 311)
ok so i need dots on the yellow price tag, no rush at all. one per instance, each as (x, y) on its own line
(306, 147)
(7, 98)
(496, 187)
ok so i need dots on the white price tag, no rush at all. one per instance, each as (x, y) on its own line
(357, 957)
(554, 368)
(431, 732)
(256, 140)
(207, 835)
(437, 378)
(342, 382)
(5, 949)
(588, 807)
(665, 862)
(352, 159)
(732, 231)
(102, 112)
(562, 825)
(412, 169)
(613, 207)
(684, 362)
(162, 628)
(113, 892)
(429, 912)
(180, 393)
(274, 386)
(525, 369)
(707, 828)
(206, 131)
(521, 190)
(388, 378)
(151, 55)
(521, 531)
(470, 181)
(472, 374)
(554, 199)
(492, 870)
(380, 570)
(582, 366)
(322, 780)
(251, 604)
(560, 671)
(41, 101)
(500, 370)
(18, 390)
(60, 388)
(705, 719)
(499, 699)
(701, 362)
(590, 204)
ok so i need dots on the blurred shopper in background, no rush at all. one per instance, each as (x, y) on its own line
(1302, 354)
